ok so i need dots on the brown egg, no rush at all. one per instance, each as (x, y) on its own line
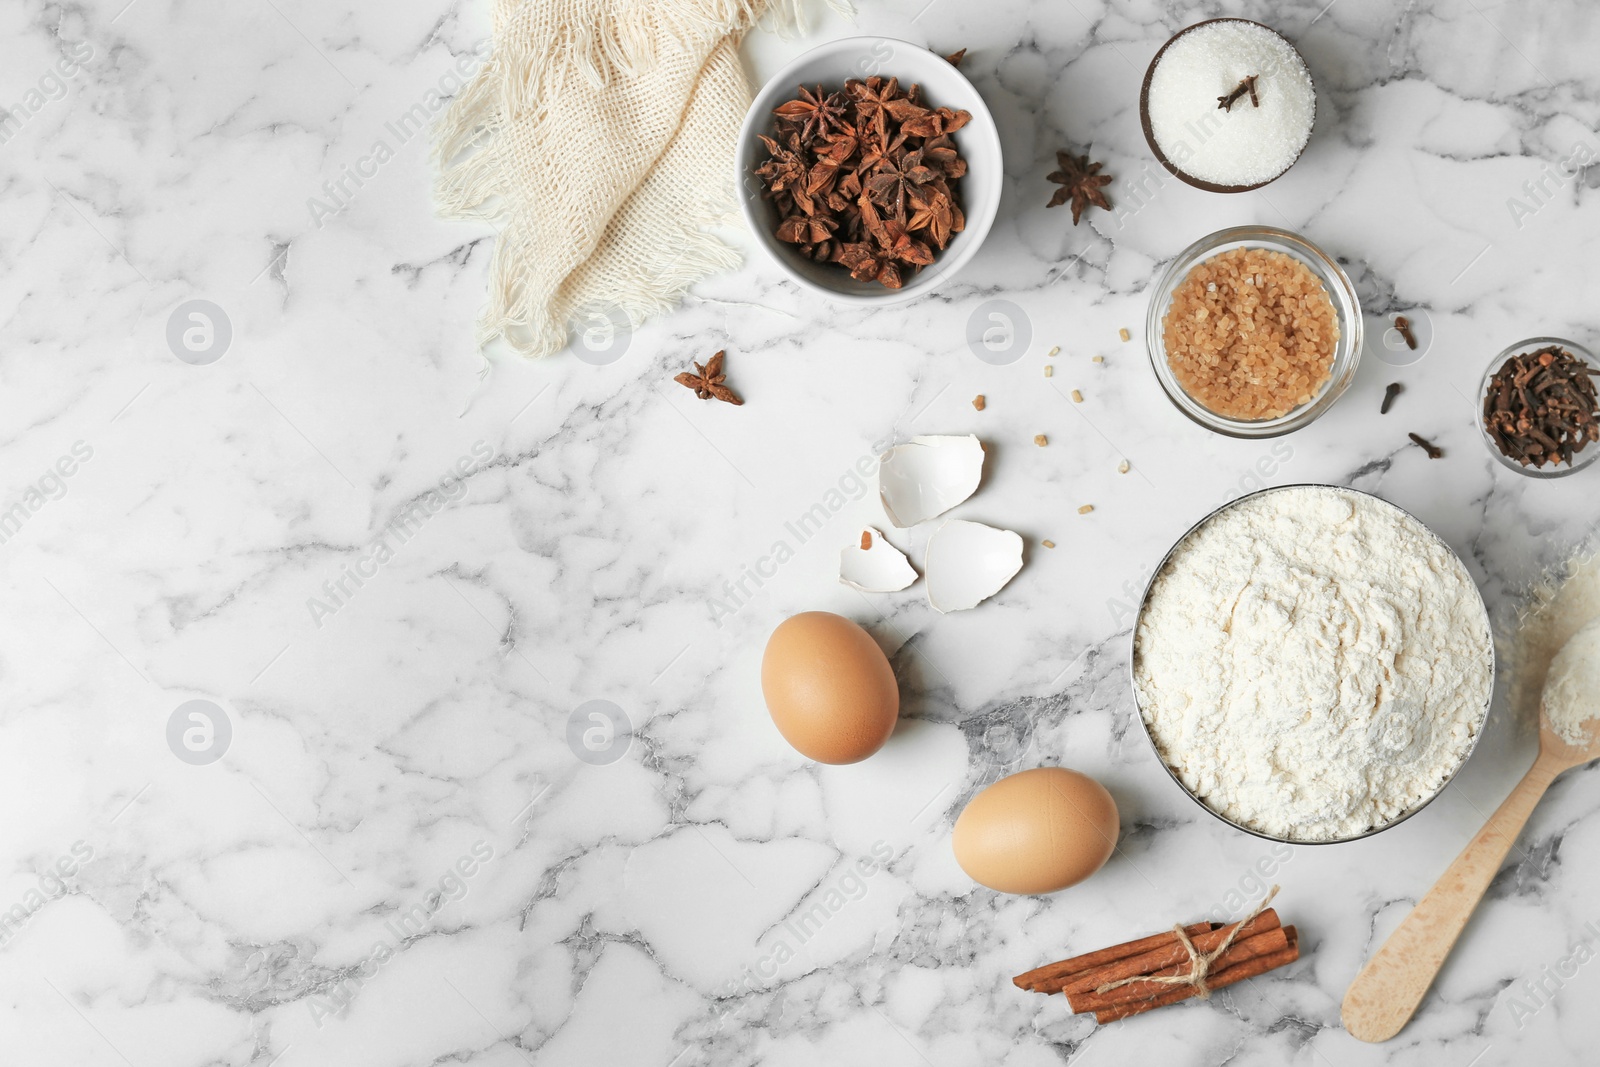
(829, 688)
(1036, 831)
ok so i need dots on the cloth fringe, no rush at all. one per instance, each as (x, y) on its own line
(598, 139)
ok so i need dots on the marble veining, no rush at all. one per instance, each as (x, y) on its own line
(401, 576)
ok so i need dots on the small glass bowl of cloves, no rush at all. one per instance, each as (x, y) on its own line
(1538, 407)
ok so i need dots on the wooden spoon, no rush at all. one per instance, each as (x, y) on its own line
(1386, 993)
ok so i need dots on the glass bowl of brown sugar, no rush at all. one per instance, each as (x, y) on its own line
(1254, 332)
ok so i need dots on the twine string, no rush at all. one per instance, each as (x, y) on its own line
(1199, 965)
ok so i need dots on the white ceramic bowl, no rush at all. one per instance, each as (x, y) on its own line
(830, 65)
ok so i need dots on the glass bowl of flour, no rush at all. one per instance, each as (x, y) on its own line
(1312, 664)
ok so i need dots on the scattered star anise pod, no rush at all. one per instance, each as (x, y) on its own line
(1080, 182)
(955, 58)
(706, 381)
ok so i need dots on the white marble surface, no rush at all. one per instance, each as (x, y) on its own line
(628, 913)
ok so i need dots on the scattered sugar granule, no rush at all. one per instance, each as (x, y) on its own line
(1048, 544)
(1040, 440)
(1054, 351)
(1124, 334)
(1086, 509)
(1098, 359)
(1123, 467)
(1049, 370)
(978, 402)
(1077, 397)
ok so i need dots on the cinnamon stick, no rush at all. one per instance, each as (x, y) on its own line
(1032, 980)
(1168, 955)
(1238, 973)
(1242, 950)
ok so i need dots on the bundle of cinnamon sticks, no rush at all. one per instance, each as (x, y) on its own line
(1114, 982)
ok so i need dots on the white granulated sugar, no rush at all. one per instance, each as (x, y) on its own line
(1313, 663)
(1245, 145)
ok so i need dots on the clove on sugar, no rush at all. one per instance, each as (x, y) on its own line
(1226, 102)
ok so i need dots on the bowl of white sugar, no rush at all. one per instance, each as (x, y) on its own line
(1312, 664)
(1227, 105)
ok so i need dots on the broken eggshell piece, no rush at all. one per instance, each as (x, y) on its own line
(928, 476)
(878, 568)
(968, 562)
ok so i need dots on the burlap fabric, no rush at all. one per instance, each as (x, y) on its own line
(598, 140)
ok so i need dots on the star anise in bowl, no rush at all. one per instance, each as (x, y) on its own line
(865, 177)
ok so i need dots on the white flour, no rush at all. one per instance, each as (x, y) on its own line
(1557, 610)
(1572, 689)
(1313, 663)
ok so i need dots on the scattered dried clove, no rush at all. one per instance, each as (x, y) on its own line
(1403, 324)
(1394, 390)
(1433, 450)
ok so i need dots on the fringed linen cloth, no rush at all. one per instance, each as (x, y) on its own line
(599, 140)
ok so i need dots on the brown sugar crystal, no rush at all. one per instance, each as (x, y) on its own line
(1251, 334)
